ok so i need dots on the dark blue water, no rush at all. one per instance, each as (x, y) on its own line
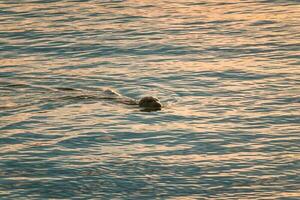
(226, 72)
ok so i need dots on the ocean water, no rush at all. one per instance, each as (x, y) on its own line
(226, 72)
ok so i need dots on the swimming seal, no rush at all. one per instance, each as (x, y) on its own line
(147, 103)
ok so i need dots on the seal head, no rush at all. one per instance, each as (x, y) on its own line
(150, 104)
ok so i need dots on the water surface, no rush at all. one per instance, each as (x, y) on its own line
(227, 74)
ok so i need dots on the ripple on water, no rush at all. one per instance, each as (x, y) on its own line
(227, 75)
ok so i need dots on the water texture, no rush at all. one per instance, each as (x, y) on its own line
(227, 73)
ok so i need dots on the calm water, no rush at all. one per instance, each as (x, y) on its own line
(227, 73)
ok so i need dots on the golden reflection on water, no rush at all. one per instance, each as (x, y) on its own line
(195, 28)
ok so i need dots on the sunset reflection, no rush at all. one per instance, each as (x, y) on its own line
(226, 74)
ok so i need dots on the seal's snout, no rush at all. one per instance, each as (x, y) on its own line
(157, 104)
(150, 103)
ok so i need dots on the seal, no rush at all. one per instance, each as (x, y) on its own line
(147, 103)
